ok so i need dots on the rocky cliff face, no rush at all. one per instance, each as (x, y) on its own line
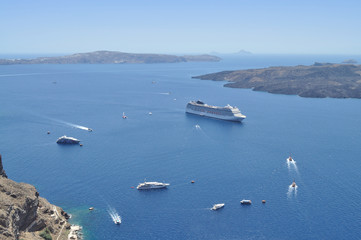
(26, 215)
(2, 171)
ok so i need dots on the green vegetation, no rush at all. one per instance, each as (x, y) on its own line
(46, 234)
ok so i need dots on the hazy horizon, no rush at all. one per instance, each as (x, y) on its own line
(260, 27)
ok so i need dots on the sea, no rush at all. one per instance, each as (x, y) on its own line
(227, 161)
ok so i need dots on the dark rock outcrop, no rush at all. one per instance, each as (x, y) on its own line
(318, 81)
(2, 171)
(24, 214)
(110, 57)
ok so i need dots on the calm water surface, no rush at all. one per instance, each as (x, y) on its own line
(228, 161)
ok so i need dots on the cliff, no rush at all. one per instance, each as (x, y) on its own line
(26, 215)
(318, 81)
(112, 57)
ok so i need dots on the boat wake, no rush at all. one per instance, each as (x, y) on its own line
(292, 165)
(114, 215)
(78, 126)
(67, 123)
(292, 191)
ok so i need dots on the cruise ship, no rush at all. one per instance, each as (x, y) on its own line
(151, 185)
(67, 140)
(228, 112)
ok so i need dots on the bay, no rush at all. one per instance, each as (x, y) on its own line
(228, 161)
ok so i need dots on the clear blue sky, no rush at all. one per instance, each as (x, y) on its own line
(181, 26)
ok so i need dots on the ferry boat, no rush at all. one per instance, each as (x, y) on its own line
(217, 206)
(67, 140)
(151, 185)
(228, 112)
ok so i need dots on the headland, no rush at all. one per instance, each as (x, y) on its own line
(319, 80)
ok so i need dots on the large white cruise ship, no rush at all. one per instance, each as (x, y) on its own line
(228, 112)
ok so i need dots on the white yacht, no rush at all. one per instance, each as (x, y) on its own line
(228, 112)
(247, 202)
(67, 140)
(217, 206)
(151, 185)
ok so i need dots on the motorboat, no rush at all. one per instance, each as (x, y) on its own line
(151, 185)
(290, 159)
(246, 202)
(217, 206)
(67, 140)
(293, 184)
(124, 117)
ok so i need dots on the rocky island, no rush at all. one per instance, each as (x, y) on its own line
(317, 81)
(112, 57)
(26, 215)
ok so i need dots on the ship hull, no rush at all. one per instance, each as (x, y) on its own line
(150, 187)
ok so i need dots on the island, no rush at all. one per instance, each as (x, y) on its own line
(112, 57)
(319, 80)
(26, 215)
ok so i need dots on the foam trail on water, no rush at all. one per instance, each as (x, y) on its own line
(66, 123)
(78, 126)
(292, 164)
(21, 74)
(114, 215)
(292, 191)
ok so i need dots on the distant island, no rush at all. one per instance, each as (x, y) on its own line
(317, 81)
(112, 57)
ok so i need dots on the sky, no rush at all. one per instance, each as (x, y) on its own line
(181, 26)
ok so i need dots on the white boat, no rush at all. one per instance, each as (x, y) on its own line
(67, 140)
(246, 202)
(151, 185)
(217, 206)
(124, 117)
(118, 221)
(228, 112)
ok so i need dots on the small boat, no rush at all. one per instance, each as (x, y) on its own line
(246, 202)
(217, 206)
(290, 159)
(150, 113)
(293, 184)
(67, 140)
(124, 117)
(192, 181)
(151, 185)
(90, 130)
(117, 221)
(48, 132)
(91, 208)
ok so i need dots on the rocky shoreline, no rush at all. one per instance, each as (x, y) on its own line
(26, 215)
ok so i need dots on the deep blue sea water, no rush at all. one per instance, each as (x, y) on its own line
(228, 161)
